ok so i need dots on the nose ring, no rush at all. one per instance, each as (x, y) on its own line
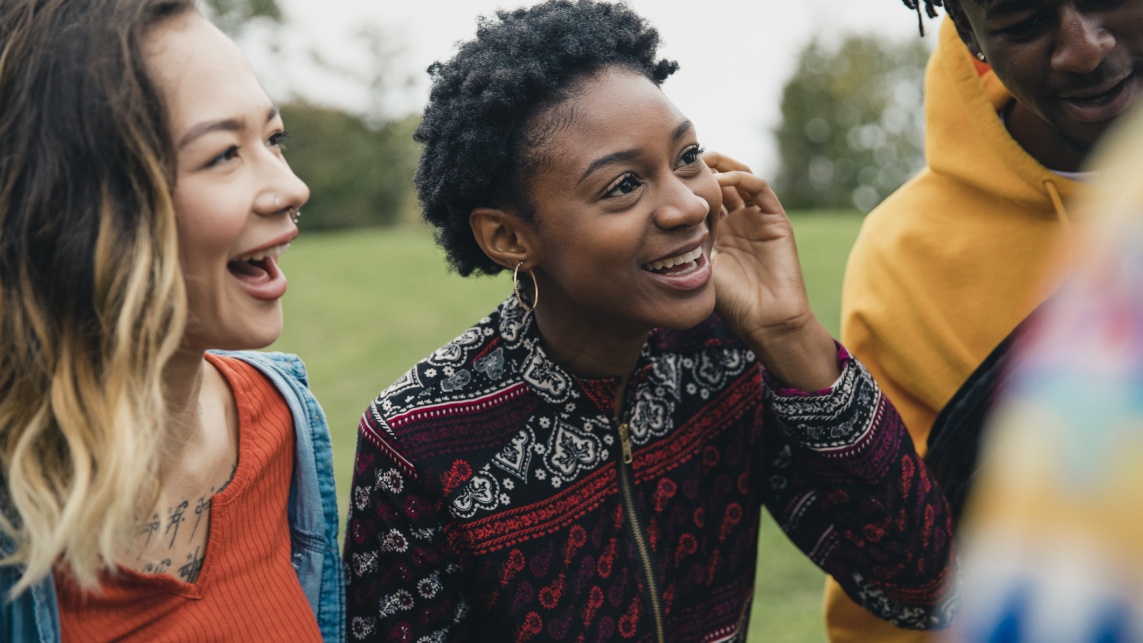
(293, 211)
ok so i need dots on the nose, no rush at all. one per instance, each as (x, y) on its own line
(1083, 41)
(282, 190)
(681, 207)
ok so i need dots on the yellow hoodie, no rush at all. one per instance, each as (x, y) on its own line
(948, 265)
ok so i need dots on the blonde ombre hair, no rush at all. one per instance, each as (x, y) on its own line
(92, 302)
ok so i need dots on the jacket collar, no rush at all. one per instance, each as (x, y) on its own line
(524, 352)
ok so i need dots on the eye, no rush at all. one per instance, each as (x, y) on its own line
(626, 185)
(690, 156)
(1025, 28)
(278, 139)
(230, 154)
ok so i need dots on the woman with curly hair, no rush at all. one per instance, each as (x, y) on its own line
(151, 490)
(590, 460)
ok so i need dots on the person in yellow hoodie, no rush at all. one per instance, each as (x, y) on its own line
(1017, 94)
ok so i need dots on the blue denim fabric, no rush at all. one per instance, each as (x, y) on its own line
(33, 616)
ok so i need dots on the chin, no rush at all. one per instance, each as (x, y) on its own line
(252, 337)
(260, 330)
(262, 337)
(261, 342)
(689, 314)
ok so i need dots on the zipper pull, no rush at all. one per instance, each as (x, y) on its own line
(625, 441)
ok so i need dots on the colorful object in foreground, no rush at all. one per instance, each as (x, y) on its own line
(1054, 534)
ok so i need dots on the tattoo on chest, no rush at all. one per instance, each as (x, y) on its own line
(174, 520)
(149, 528)
(228, 481)
(161, 541)
(200, 507)
(158, 567)
(189, 571)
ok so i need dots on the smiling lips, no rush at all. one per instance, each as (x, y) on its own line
(1099, 106)
(680, 265)
(258, 273)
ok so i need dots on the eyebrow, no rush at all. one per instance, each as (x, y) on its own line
(1001, 7)
(627, 155)
(224, 125)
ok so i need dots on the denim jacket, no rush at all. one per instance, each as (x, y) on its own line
(33, 616)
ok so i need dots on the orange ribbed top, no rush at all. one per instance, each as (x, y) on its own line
(247, 589)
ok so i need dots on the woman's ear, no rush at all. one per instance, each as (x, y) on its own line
(504, 237)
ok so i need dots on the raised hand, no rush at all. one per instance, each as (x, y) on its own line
(758, 281)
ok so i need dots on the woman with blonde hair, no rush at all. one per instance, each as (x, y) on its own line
(151, 490)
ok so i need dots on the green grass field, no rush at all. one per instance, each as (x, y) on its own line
(365, 305)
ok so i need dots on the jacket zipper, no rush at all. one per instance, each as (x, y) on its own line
(626, 487)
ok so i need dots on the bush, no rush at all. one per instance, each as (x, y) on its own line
(358, 175)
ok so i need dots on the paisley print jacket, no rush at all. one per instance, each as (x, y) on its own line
(496, 497)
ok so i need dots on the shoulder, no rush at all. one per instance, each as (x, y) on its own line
(908, 225)
(285, 365)
(285, 372)
(448, 372)
(908, 204)
(462, 381)
(463, 401)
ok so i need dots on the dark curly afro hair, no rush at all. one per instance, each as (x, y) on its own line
(479, 129)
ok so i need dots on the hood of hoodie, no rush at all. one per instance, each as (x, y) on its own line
(965, 138)
(951, 262)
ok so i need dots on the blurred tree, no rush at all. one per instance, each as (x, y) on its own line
(356, 156)
(359, 174)
(232, 16)
(852, 122)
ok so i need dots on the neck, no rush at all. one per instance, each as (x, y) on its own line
(589, 349)
(182, 386)
(1043, 142)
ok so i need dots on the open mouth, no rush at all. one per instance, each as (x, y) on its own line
(1100, 98)
(682, 264)
(1104, 105)
(257, 266)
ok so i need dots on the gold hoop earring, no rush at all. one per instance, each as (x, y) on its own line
(535, 288)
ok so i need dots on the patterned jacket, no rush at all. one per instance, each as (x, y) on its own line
(496, 498)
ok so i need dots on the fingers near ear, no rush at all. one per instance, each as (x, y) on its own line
(722, 163)
(731, 199)
(504, 237)
(753, 190)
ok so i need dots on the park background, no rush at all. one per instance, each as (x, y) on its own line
(819, 96)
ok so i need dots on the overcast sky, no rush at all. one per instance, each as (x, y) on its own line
(735, 55)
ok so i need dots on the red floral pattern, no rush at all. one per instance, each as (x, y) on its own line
(491, 509)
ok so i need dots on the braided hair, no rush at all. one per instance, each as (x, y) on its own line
(950, 6)
(483, 128)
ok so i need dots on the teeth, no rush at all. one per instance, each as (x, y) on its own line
(675, 261)
(276, 251)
